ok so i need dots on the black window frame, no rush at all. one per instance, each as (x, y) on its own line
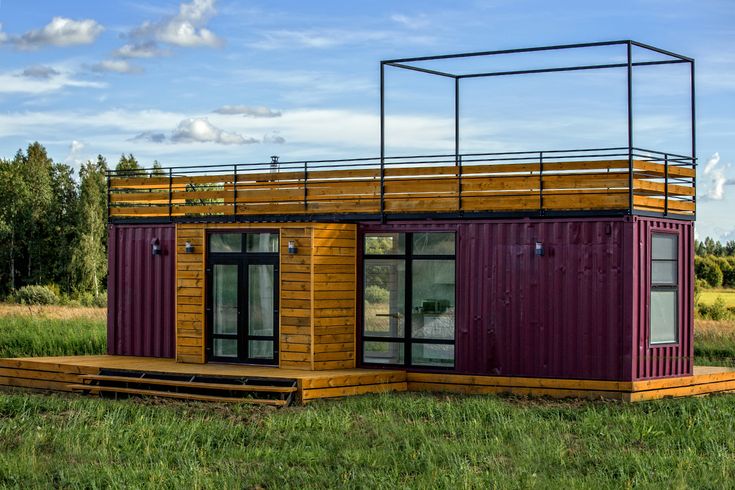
(407, 340)
(664, 286)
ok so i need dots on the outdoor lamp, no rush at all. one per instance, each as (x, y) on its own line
(155, 247)
(188, 247)
(539, 249)
(292, 248)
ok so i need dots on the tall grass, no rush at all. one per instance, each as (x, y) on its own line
(27, 336)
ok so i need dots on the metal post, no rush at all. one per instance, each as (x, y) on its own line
(306, 177)
(170, 194)
(459, 183)
(666, 184)
(109, 193)
(694, 136)
(630, 127)
(456, 120)
(382, 140)
(234, 190)
(541, 181)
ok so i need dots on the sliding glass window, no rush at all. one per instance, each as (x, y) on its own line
(409, 294)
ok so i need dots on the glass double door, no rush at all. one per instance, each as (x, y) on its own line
(242, 309)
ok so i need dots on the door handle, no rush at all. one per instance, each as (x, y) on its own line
(397, 316)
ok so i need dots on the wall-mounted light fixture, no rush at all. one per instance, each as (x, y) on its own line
(188, 248)
(155, 247)
(539, 250)
(292, 248)
(274, 163)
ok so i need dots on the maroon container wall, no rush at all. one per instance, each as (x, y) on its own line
(141, 291)
(671, 360)
(563, 314)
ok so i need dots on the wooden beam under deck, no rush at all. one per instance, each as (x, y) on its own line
(66, 373)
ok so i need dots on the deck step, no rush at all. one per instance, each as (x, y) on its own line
(191, 384)
(173, 394)
(253, 390)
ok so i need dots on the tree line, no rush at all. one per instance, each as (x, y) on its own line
(53, 223)
(714, 264)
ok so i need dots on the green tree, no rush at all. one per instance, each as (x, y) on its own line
(708, 269)
(89, 261)
(128, 165)
(61, 226)
(157, 170)
(14, 197)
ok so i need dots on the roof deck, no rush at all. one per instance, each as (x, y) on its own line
(577, 182)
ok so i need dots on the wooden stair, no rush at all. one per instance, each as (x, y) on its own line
(255, 391)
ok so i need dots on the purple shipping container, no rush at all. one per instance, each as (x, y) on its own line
(578, 311)
(141, 291)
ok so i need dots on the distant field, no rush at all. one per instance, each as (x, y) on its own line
(708, 296)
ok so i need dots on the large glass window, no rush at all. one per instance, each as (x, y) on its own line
(664, 321)
(409, 299)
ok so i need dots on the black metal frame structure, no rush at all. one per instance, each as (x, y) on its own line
(460, 160)
(674, 58)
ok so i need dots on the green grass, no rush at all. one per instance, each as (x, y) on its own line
(389, 441)
(25, 336)
(708, 296)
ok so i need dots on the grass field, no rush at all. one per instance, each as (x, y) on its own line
(708, 296)
(391, 441)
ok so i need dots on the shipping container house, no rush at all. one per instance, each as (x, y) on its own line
(563, 269)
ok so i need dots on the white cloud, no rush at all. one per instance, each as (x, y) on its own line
(147, 49)
(151, 136)
(711, 163)
(40, 71)
(200, 130)
(247, 111)
(329, 38)
(20, 82)
(115, 66)
(185, 29)
(75, 149)
(416, 22)
(274, 139)
(3, 36)
(61, 31)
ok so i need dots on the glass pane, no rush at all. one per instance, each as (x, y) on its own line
(382, 352)
(260, 299)
(663, 246)
(260, 349)
(433, 243)
(225, 348)
(384, 293)
(385, 243)
(663, 317)
(225, 242)
(432, 309)
(664, 272)
(432, 355)
(262, 242)
(224, 298)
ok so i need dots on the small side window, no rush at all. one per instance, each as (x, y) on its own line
(664, 304)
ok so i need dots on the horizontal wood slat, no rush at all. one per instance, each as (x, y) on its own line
(480, 187)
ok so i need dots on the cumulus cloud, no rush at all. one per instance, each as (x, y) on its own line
(115, 66)
(32, 83)
(717, 179)
(247, 111)
(186, 29)
(199, 129)
(75, 149)
(148, 49)
(40, 72)
(61, 31)
(151, 136)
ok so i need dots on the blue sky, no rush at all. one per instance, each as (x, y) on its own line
(208, 81)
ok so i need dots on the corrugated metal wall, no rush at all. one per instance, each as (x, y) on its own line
(558, 315)
(141, 291)
(671, 360)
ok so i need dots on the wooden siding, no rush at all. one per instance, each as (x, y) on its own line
(473, 187)
(317, 294)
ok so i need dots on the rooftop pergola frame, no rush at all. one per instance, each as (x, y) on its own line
(669, 59)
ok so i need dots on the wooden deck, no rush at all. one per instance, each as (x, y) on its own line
(67, 373)
(426, 187)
